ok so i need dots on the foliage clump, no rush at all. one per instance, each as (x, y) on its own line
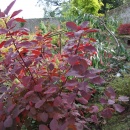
(121, 85)
(124, 29)
(50, 88)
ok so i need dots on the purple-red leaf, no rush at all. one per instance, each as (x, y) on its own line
(1, 106)
(8, 42)
(110, 102)
(97, 80)
(73, 60)
(51, 66)
(38, 88)
(84, 24)
(39, 103)
(2, 126)
(90, 48)
(28, 94)
(94, 119)
(82, 100)
(123, 98)
(107, 113)
(51, 90)
(94, 109)
(3, 89)
(8, 122)
(26, 80)
(54, 124)
(103, 101)
(3, 31)
(43, 127)
(57, 101)
(44, 117)
(110, 93)
(15, 13)
(118, 108)
(2, 14)
(72, 25)
(6, 11)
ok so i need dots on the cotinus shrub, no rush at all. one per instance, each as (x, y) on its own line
(52, 89)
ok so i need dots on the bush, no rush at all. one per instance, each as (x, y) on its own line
(124, 29)
(48, 90)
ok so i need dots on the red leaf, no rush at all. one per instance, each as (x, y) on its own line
(97, 80)
(71, 98)
(15, 13)
(123, 98)
(51, 66)
(8, 42)
(2, 44)
(107, 113)
(1, 106)
(11, 108)
(110, 102)
(103, 101)
(2, 14)
(93, 109)
(25, 44)
(51, 90)
(26, 80)
(44, 117)
(36, 52)
(57, 101)
(43, 127)
(3, 89)
(6, 11)
(94, 119)
(119, 108)
(38, 88)
(8, 122)
(39, 103)
(73, 60)
(82, 100)
(2, 126)
(78, 33)
(71, 83)
(72, 25)
(20, 20)
(84, 24)
(110, 93)
(54, 124)
(28, 94)
(3, 31)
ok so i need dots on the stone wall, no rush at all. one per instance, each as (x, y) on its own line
(122, 13)
(32, 23)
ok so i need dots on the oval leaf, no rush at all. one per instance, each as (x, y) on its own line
(72, 25)
(6, 11)
(119, 108)
(8, 122)
(15, 13)
(54, 124)
(19, 20)
(43, 127)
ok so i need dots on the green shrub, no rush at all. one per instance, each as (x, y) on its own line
(122, 85)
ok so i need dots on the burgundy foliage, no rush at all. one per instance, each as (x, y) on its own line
(124, 29)
(53, 89)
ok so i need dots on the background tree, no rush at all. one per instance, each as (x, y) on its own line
(52, 8)
(110, 4)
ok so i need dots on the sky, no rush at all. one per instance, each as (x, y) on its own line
(29, 7)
